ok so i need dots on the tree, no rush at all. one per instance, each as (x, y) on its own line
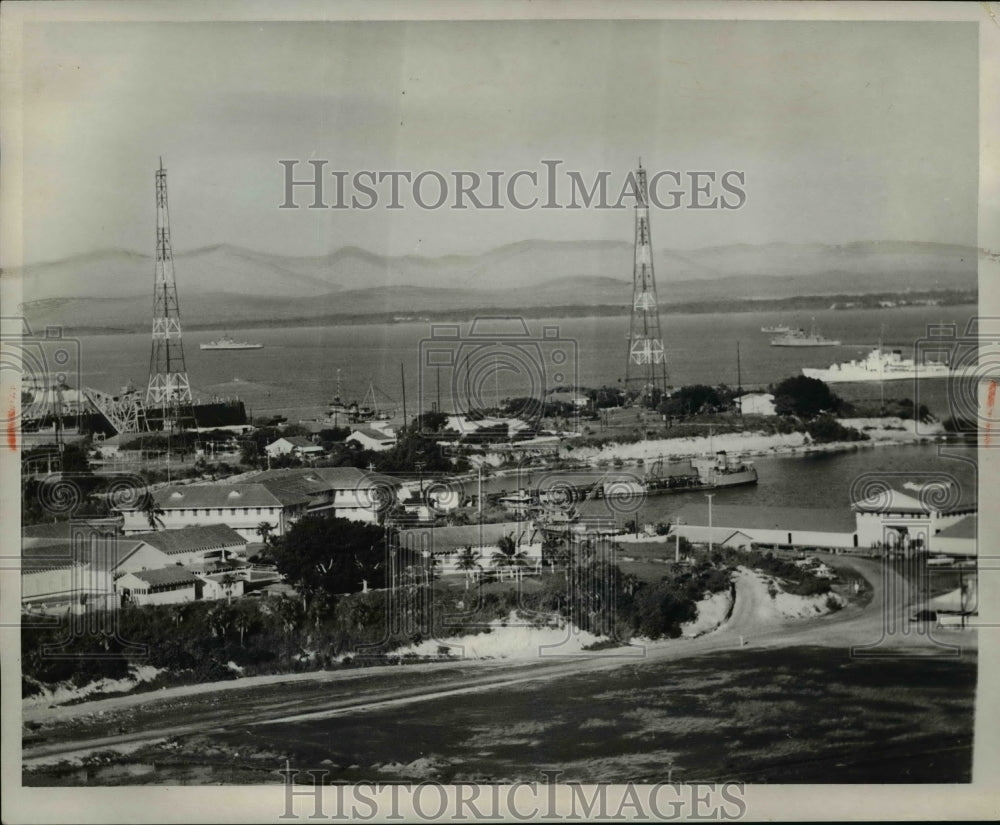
(468, 561)
(152, 511)
(805, 397)
(691, 400)
(227, 581)
(264, 530)
(332, 556)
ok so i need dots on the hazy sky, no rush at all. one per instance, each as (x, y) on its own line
(845, 131)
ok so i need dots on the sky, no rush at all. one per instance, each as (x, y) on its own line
(844, 131)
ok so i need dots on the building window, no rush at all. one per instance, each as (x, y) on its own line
(232, 511)
(258, 511)
(246, 511)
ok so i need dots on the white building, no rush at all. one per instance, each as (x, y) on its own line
(200, 544)
(959, 539)
(169, 585)
(346, 491)
(295, 445)
(240, 506)
(894, 520)
(756, 403)
(447, 543)
(369, 438)
(742, 525)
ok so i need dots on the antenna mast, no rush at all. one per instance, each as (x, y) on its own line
(169, 387)
(646, 364)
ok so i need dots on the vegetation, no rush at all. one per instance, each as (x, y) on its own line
(805, 397)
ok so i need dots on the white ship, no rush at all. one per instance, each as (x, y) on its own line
(777, 328)
(879, 365)
(225, 342)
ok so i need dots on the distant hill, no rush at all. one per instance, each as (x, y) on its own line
(227, 283)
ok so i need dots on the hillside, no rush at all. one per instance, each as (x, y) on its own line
(226, 283)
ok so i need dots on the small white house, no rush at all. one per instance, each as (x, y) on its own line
(295, 445)
(369, 438)
(756, 403)
(170, 585)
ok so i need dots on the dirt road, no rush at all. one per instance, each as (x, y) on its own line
(75, 731)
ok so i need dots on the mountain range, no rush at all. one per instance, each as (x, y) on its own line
(229, 284)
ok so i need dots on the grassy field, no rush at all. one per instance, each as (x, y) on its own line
(793, 715)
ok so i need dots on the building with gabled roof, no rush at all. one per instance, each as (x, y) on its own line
(296, 445)
(958, 539)
(446, 543)
(347, 492)
(241, 506)
(199, 544)
(73, 574)
(168, 585)
(894, 520)
(789, 526)
(369, 438)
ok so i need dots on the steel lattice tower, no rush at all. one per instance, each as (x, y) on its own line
(647, 362)
(169, 388)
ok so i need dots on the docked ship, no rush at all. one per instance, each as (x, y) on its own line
(778, 329)
(697, 475)
(225, 342)
(801, 338)
(879, 365)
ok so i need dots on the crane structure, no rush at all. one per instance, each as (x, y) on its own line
(646, 363)
(169, 389)
(125, 412)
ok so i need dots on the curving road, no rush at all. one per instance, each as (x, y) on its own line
(204, 708)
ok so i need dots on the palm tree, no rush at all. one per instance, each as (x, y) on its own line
(227, 581)
(468, 560)
(152, 511)
(264, 529)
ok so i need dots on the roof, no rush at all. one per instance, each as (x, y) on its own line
(41, 533)
(444, 539)
(166, 576)
(966, 528)
(294, 440)
(47, 557)
(226, 495)
(58, 554)
(374, 435)
(749, 517)
(894, 501)
(192, 539)
(316, 480)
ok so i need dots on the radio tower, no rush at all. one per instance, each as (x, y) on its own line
(169, 389)
(647, 363)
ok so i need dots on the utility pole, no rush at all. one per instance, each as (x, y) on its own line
(646, 363)
(739, 379)
(709, 496)
(677, 542)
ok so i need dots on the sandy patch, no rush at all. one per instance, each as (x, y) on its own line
(511, 638)
(712, 612)
(68, 692)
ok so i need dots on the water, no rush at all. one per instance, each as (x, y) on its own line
(295, 373)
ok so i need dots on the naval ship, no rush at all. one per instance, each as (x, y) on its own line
(878, 365)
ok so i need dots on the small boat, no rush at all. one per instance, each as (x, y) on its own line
(225, 342)
(778, 329)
